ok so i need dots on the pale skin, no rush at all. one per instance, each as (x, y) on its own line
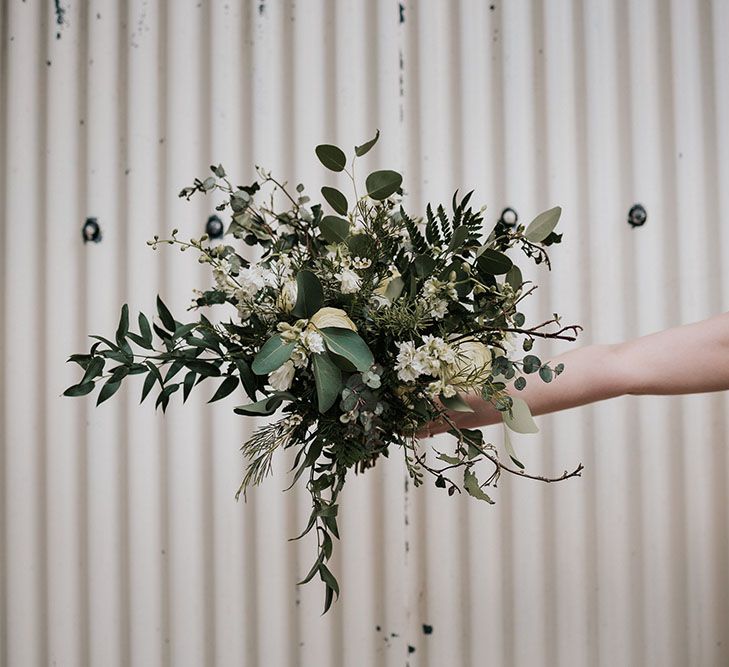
(687, 359)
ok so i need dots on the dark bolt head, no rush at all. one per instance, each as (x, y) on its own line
(637, 215)
(214, 227)
(509, 217)
(91, 231)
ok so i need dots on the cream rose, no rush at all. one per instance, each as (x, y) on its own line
(332, 317)
(472, 365)
(381, 289)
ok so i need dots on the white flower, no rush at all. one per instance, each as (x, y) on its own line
(287, 296)
(253, 279)
(438, 308)
(409, 364)
(283, 376)
(471, 366)
(312, 341)
(349, 281)
(332, 317)
(299, 357)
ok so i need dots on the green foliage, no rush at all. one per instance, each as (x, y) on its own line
(335, 388)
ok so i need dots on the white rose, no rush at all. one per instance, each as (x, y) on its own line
(472, 364)
(332, 317)
(283, 376)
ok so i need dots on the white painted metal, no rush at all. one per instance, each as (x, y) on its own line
(120, 541)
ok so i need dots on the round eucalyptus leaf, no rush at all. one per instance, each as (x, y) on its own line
(381, 184)
(335, 199)
(334, 229)
(331, 157)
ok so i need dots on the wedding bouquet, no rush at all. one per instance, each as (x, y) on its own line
(353, 328)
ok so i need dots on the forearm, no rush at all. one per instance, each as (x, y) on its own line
(687, 359)
(591, 373)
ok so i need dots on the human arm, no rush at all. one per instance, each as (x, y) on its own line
(686, 359)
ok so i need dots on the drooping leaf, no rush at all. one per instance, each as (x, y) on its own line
(473, 488)
(334, 229)
(108, 390)
(148, 384)
(309, 296)
(381, 184)
(359, 151)
(266, 406)
(226, 388)
(275, 351)
(456, 403)
(510, 448)
(94, 369)
(328, 379)
(335, 199)
(247, 378)
(543, 225)
(165, 315)
(349, 345)
(80, 389)
(520, 420)
(331, 157)
(514, 277)
(188, 384)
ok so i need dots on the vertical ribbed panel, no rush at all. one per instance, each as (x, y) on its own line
(120, 540)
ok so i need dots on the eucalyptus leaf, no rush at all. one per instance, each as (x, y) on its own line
(494, 262)
(543, 225)
(381, 184)
(328, 379)
(331, 157)
(520, 420)
(514, 277)
(359, 151)
(349, 345)
(334, 229)
(274, 353)
(309, 295)
(335, 199)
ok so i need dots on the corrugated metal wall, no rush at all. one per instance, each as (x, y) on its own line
(121, 543)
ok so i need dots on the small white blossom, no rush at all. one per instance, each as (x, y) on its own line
(361, 262)
(438, 308)
(408, 365)
(349, 281)
(283, 376)
(312, 341)
(299, 357)
(253, 279)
